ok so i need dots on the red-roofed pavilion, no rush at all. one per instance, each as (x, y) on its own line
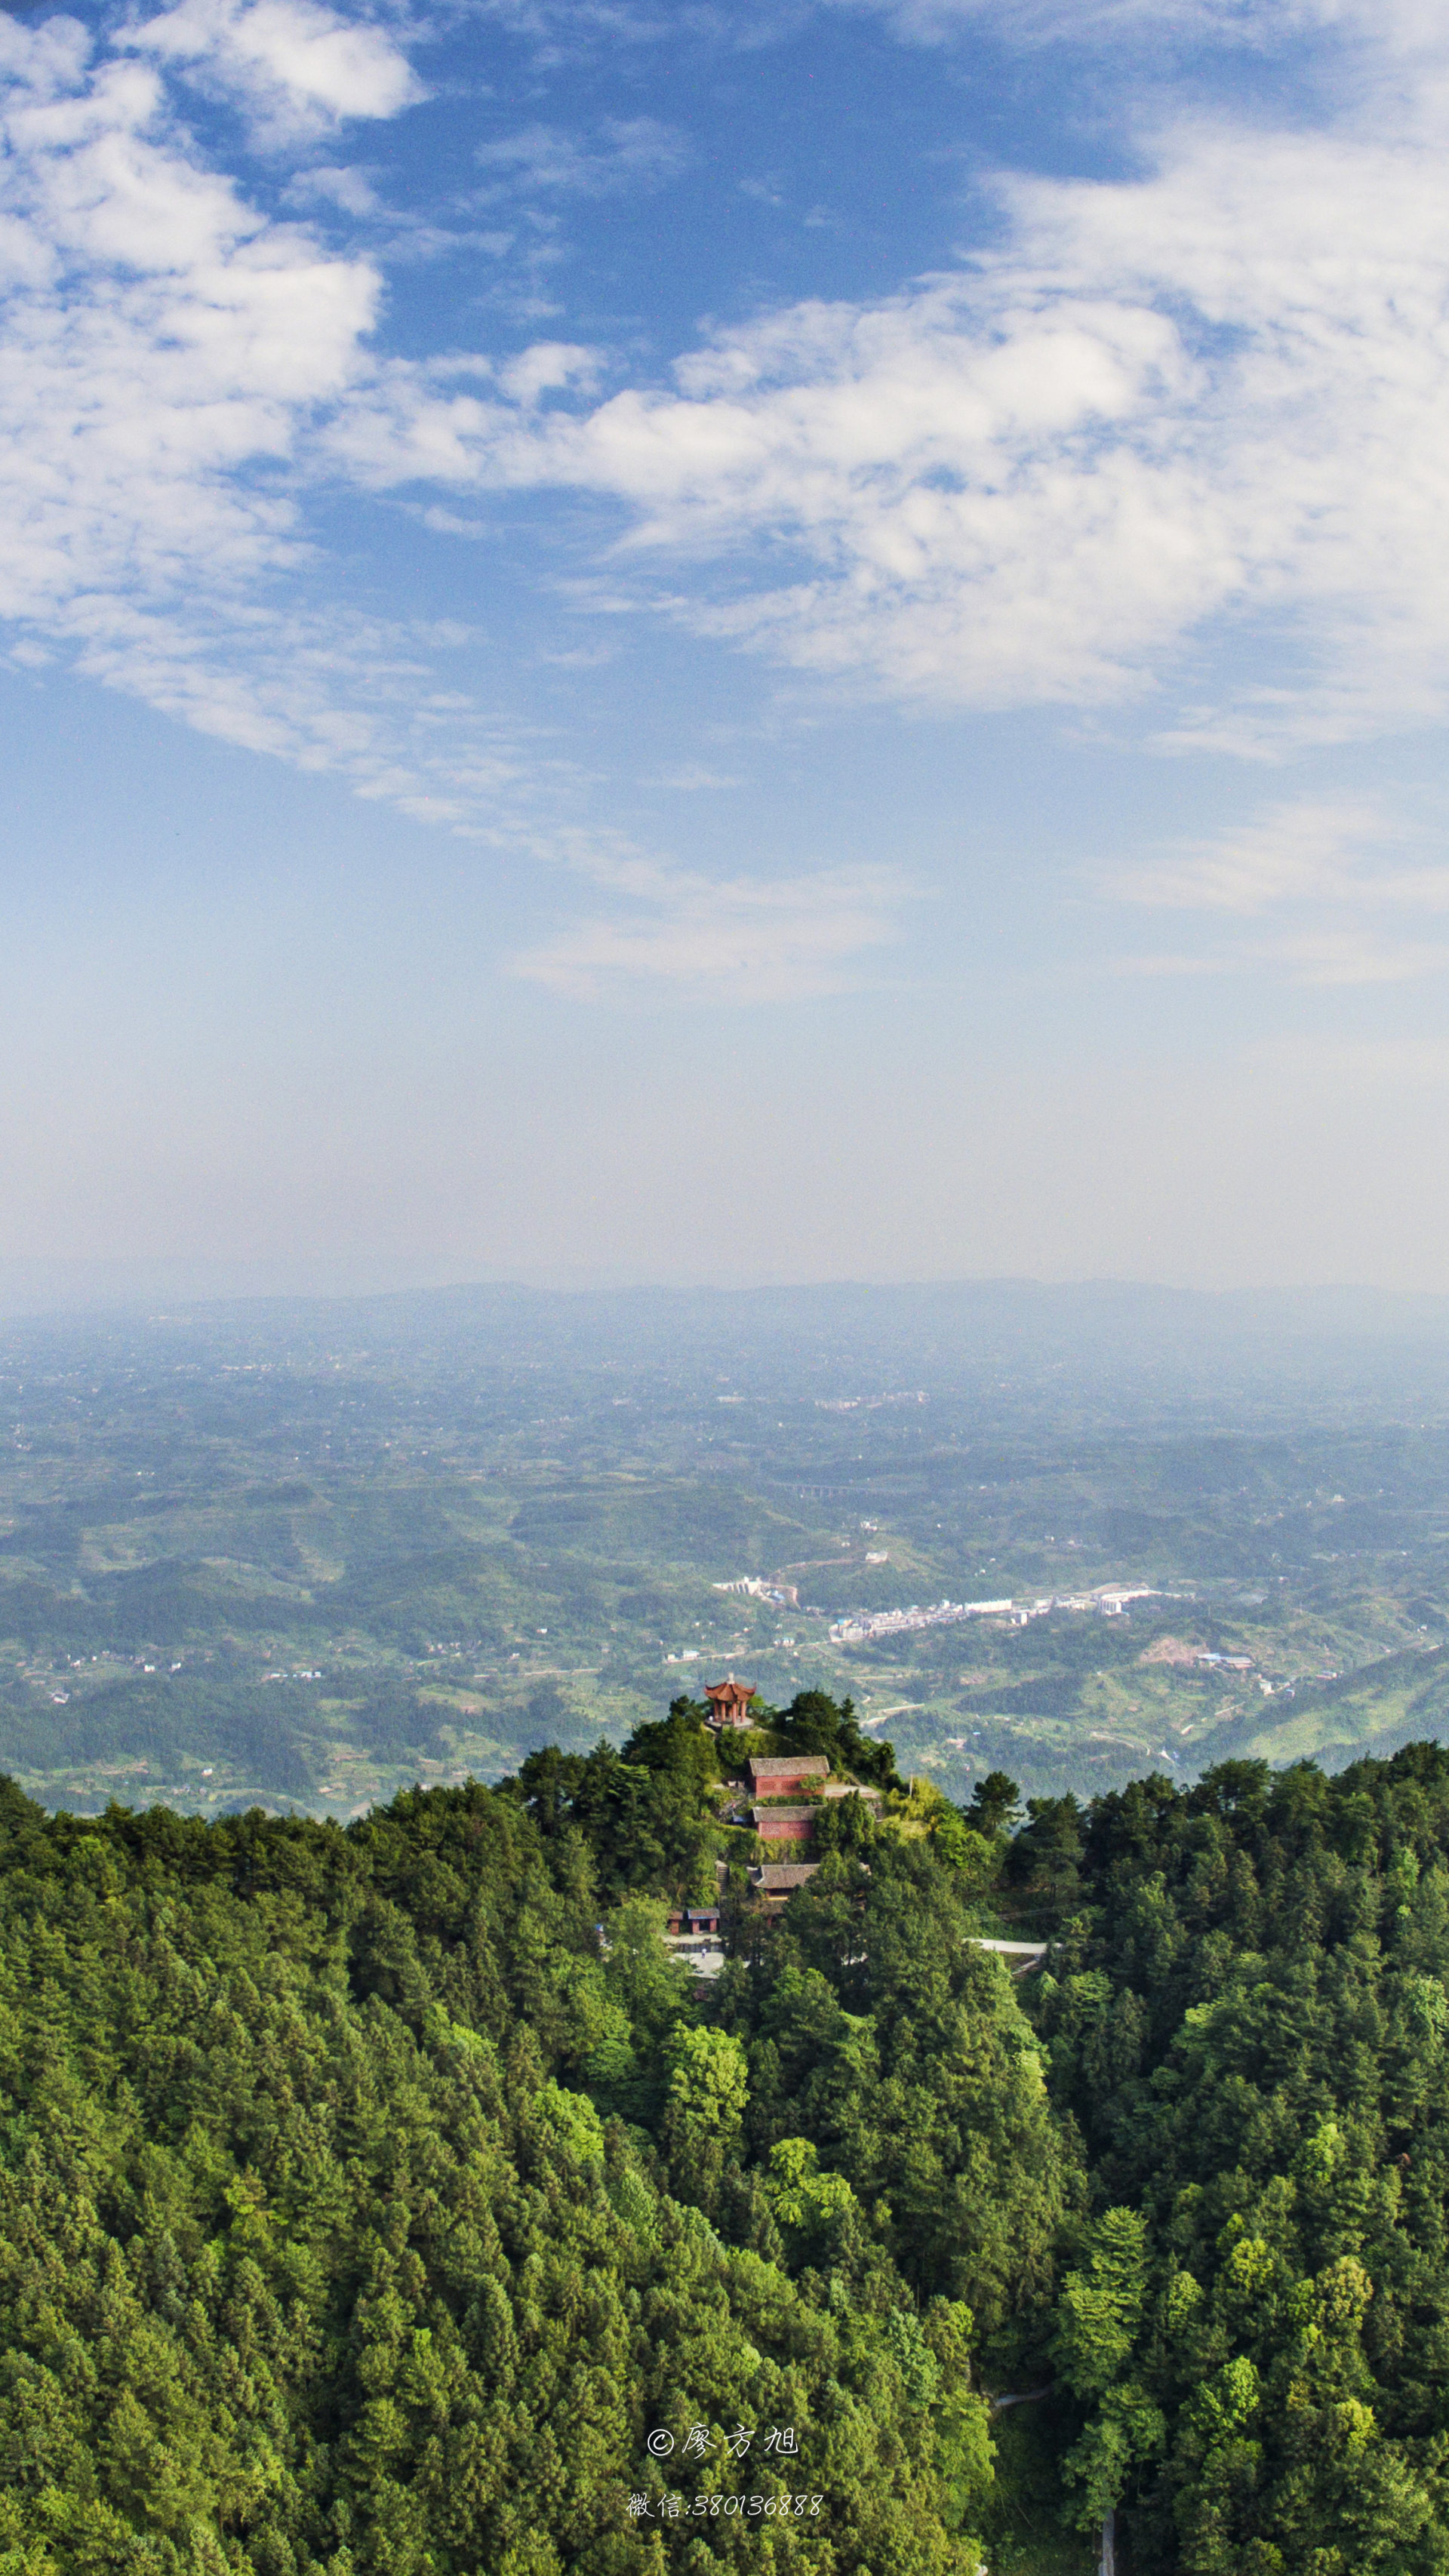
(729, 1702)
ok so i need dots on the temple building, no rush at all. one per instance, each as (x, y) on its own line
(785, 1824)
(729, 1702)
(779, 1773)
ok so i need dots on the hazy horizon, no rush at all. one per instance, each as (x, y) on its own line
(38, 1288)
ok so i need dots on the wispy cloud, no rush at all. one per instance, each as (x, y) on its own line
(737, 940)
(1302, 850)
(692, 777)
(560, 29)
(623, 154)
(1254, 25)
(1342, 889)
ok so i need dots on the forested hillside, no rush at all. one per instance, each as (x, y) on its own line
(387, 2199)
(1247, 2029)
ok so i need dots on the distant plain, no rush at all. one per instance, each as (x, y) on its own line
(300, 1553)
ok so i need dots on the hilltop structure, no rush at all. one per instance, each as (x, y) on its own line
(729, 1703)
(693, 1919)
(773, 1882)
(781, 1783)
(784, 1824)
(777, 1774)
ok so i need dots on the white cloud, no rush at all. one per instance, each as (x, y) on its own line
(157, 339)
(549, 367)
(1300, 851)
(1208, 400)
(294, 67)
(635, 152)
(561, 26)
(1048, 21)
(165, 354)
(738, 940)
(333, 185)
(563, 29)
(939, 565)
(1344, 889)
(358, 696)
(1258, 25)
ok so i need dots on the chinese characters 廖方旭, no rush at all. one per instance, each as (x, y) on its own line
(699, 2441)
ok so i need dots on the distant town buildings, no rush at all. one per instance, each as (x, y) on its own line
(868, 1403)
(1174, 1651)
(891, 1623)
(1110, 1600)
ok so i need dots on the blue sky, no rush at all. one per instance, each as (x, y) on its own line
(817, 627)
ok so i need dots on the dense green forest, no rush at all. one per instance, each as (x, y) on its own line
(385, 2200)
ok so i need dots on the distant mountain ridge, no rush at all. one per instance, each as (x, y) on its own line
(1001, 1317)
